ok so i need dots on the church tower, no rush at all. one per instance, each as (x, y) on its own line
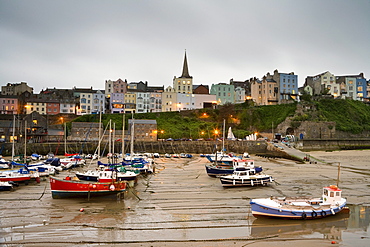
(184, 83)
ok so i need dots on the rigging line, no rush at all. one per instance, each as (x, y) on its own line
(100, 139)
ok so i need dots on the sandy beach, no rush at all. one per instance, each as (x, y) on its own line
(180, 205)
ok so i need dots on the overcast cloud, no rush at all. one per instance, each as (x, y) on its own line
(82, 43)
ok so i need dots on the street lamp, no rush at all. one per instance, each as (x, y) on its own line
(216, 132)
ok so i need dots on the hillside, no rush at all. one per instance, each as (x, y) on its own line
(350, 116)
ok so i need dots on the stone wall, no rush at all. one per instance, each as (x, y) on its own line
(194, 147)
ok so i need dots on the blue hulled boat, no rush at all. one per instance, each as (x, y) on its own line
(329, 204)
(216, 169)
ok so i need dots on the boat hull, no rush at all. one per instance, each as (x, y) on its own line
(15, 178)
(261, 210)
(216, 171)
(234, 182)
(4, 186)
(64, 188)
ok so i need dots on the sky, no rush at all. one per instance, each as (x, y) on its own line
(82, 43)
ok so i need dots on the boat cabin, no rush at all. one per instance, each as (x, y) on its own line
(243, 163)
(331, 194)
(243, 171)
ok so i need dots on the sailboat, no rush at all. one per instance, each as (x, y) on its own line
(230, 135)
(137, 162)
(221, 156)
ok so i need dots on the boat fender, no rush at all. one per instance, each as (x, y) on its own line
(304, 216)
(332, 211)
(323, 213)
(252, 182)
(112, 188)
(314, 214)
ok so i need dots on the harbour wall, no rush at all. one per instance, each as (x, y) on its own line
(162, 147)
(193, 147)
(333, 144)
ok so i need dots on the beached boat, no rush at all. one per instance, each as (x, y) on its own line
(72, 161)
(220, 169)
(3, 163)
(41, 169)
(5, 186)
(329, 204)
(243, 176)
(14, 176)
(221, 157)
(107, 175)
(73, 187)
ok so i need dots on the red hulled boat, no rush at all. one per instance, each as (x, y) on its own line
(73, 187)
(14, 177)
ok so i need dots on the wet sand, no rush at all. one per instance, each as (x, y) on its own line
(180, 205)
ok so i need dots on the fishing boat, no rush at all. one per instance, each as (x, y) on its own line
(73, 187)
(243, 176)
(221, 169)
(5, 186)
(330, 203)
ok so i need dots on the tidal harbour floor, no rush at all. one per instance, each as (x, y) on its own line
(180, 205)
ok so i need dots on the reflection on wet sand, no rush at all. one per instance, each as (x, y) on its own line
(330, 228)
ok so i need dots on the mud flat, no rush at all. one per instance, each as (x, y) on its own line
(180, 205)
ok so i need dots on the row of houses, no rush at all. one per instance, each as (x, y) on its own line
(37, 128)
(121, 96)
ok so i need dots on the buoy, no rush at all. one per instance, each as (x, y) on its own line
(333, 242)
(82, 209)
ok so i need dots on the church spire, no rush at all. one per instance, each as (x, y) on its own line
(185, 70)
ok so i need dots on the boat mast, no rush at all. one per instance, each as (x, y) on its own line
(113, 136)
(338, 174)
(65, 138)
(123, 134)
(223, 138)
(132, 138)
(25, 141)
(99, 131)
(110, 137)
(13, 138)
